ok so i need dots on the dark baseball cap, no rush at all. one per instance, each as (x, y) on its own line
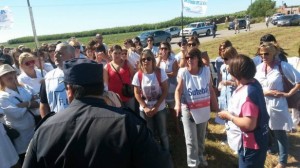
(82, 71)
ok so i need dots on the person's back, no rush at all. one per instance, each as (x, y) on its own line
(93, 134)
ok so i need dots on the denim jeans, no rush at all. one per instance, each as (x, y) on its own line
(158, 123)
(282, 140)
(194, 139)
(249, 158)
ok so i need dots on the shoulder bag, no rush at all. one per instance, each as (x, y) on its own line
(294, 100)
(127, 89)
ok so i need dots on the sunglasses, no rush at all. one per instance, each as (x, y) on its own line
(187, 58)
(181, 44)
(76, 47)
(28, 63)
(192, 44)
(267, 54)
(148, 59)
(164, 48)
(149, 40)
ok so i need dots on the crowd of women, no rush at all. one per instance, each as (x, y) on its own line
(156, 83)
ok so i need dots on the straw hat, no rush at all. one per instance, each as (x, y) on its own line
(5, 68)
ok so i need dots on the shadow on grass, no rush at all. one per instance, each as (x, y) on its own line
(294, 150)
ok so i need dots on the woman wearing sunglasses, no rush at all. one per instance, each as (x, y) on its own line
(194, 97)
(30, 75)
(150, 90)
(269, 76)
(15, 100)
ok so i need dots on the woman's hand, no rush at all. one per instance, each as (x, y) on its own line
(177, 109)
(224, 115)
(148, 112)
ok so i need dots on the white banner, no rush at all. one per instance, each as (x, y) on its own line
(6, 18)
(195, 6)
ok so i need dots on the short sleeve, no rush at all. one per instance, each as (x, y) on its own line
(249, 109)
(135, 80)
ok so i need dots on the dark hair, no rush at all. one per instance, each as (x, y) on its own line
(268, 38)
(242, 67)
(230, 52)
(6, 59)
(151, 38)
(194, 39)
(226, 44)
(130, 42)
(101, 48)
(86, 90)
(168, 45)
(115, 47)
(195, 52)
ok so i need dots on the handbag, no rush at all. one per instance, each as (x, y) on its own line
(11, 132)
(127, 89)
(294, 100)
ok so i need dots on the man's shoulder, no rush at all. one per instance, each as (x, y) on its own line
(54, 73)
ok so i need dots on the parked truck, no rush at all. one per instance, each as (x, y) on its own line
(197, 28)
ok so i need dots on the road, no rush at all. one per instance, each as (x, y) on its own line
(222, 34)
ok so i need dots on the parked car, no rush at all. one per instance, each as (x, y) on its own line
(197, 28)
(289, 20)
(274, 21)
(174, 31)
(158, 35)
(242, 24)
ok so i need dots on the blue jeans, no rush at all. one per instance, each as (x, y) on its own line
(194, 139)
(252, 158)
(283, 145)
(159, 122)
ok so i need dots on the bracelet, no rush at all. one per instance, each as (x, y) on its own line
(29, 104)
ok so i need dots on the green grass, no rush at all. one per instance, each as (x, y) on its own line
(247, 43)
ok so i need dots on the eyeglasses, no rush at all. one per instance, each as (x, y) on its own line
(181, 44)
(76, 47)
(148, 59)
(164, 48)
(28, 63)
(192, 44)
(267, 54)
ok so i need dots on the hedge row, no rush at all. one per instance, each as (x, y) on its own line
(124, 29)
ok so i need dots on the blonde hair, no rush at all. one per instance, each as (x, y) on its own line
(25, 55)
(272, 49)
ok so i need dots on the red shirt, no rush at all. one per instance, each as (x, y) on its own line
(115, 83)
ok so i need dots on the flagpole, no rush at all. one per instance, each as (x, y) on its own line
(182, 19)
(35, 36)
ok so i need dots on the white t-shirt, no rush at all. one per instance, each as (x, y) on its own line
(133, 59)
(151, 88)
(196, 93)
(33, 83)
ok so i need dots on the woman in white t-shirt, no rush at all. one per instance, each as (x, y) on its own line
(150, 90)
(192, 99)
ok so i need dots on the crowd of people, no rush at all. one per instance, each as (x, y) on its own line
(92, 105)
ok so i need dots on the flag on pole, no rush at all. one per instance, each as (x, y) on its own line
(195, 6)
(6, 18)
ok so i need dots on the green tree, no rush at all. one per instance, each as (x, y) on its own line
(262, 8)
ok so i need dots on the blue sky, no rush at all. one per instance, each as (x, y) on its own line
(61, 16)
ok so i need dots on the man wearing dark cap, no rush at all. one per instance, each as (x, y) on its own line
(89, 133)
